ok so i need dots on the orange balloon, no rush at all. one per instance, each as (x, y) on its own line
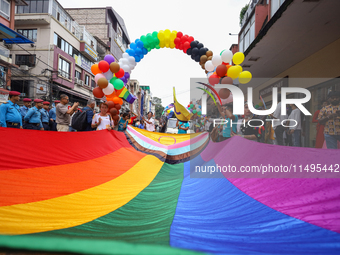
(116, 100)
(95, 69)
(112, 95)
(102, 83)
(109, 99)
(121, 101)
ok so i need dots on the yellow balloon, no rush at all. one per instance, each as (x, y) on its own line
(238, 58)
(244, 77)
(167, 32)
(162, 44)
(240, 69)
(168, 111)
(161, 35)
(172, 45)
(173, 35)
(233, 72)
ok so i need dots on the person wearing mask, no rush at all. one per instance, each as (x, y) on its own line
(33, 116)
(330, 117)
(63, 113)
(123, 122)
(295, 131)
(45, 117)
(89, 108)
(10, 115)
(102, 120)
(150, 122)
(53, 116)
(320, 138)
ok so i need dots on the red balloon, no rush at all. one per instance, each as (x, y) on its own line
(190, 39)
(179, 34)
(224, 93)
(186, 45)
(181, 47)
(120, 73)
(110, 104)
(103, 66)
(221, 70)
(115, 117)
(118, 106)
(177, 46)
(185, 51)
(113, 111)
(98, 92)
(184, 38)
(177, 40)
(214, 79)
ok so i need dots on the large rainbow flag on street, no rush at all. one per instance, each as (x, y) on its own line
(134, 192)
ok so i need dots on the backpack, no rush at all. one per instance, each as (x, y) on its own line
(79, 120)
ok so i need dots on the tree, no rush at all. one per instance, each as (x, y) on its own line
(158, 107)
(243, 12)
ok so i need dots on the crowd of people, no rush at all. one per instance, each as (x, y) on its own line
(59, 118)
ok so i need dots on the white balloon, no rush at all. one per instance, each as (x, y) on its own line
(124, 61)
(227, 56)
(108, 75)
(126, 55)
(109, 89)
(209, 66)
(132, 60)
(216, 60)
(126, 68)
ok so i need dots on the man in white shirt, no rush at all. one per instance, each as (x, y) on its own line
(277, 126)
(295, 131)
(150, 122)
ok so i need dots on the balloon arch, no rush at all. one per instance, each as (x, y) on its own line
(111, 77)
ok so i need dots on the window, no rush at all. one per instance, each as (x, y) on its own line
(4, 8)
(87, 80)
(34, 6)
(77, 74)
(28, 60)
(31, 34)
(64, 68)
(64, 46)
(275, 5)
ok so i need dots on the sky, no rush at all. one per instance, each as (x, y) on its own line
(208, 22)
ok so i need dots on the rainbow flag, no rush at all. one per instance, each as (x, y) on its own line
(141, 192)
(124, 93)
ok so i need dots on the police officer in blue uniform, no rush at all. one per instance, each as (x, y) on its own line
(10, 112)
(53, 116)
(33, 116)
(45, 117)
(24, 109)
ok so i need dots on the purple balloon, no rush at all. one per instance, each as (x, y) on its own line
(127, 75)
(109, 59)
(123, 79)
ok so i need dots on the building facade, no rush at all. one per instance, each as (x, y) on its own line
(292, 44)
(106, 25)
(61, 57)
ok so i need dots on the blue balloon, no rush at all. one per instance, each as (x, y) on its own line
(140, 44)
(138, 51)
(136, 41)
(199, 106)
(131, 52)
(133, 46)
(141, 56)
(145, 51)
(137, 58)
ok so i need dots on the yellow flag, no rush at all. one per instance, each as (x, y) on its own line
(181, 113)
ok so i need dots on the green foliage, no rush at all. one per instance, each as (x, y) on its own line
(243, 12)
(158, 107)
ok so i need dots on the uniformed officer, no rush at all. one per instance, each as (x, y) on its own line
(10, 112)
(33, 116)
(53, 115)
(45, 119)
(24, 109)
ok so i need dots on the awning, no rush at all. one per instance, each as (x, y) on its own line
(11, 37)
(72, 92)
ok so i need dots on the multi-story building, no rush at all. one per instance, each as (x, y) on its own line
(8, 37)
(292, 39)
(106, 25)
(60, 59)
(134, 89)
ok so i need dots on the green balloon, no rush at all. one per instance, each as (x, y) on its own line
(257, 106)
(118, 84)
(158, 47)
(192, 106)
(194, 111)
(143, 38)
(155, 34)
(199, 113)
(113, 80)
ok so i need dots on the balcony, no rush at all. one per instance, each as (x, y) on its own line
(88, 51)
(32, 19)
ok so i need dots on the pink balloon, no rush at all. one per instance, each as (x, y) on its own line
(98, 76)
